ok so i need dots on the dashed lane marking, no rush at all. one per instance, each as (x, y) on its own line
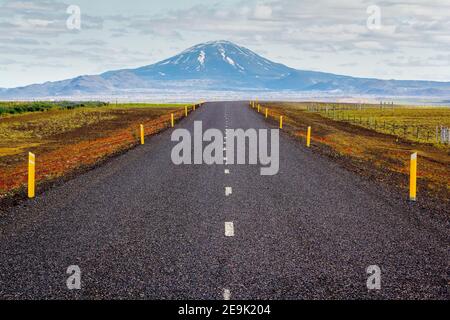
(229, 229)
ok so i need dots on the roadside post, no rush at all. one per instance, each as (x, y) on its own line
(267, 113)
(172, 122)
(308, 137)
(413, 178)
(186, 111)
(31, 174)
(142, 134)
(281, 122)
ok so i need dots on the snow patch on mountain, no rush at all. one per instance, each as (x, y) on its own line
(230, 61)
(201, 57)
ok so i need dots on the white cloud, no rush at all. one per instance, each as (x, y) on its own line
(263, 12)
(334, 32)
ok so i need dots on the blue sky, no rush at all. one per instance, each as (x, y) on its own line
(411, 42)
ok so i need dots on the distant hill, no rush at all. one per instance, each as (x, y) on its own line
(224, 66)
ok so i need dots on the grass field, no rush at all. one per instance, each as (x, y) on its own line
(380, 155)
(415, 124)
(40, 106)
(418, 124)
(66, 139)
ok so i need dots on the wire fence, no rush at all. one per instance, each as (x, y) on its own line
(443, 135)
(438, 134)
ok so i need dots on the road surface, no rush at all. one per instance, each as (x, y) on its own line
(140, 227)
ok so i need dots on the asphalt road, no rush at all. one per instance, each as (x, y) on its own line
(140, 227)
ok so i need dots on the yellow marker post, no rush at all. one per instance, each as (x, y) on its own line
(142, 134)
(172, 122)
(31, 174)
(281, 122)
(259, 107)
(413, 178)
(308, 137)
(193, 107)
(267, 113)
(186, 111)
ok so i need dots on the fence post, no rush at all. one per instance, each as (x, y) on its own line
(31, 174)
(142, 134)
(413, 178)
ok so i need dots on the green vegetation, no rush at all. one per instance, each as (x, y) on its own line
(40, 106)
(14, 108)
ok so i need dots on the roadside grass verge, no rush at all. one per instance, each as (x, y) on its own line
(377, 155)
(65, 140)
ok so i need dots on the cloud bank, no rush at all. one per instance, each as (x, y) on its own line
(412, 41)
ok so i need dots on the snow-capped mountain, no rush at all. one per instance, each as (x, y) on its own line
(213, 65)
(224, 66)
(216, 60)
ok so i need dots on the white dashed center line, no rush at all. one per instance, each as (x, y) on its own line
(228, 191)
(229, 229)
(226, 294)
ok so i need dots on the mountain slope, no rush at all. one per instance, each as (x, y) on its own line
(222, 65)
